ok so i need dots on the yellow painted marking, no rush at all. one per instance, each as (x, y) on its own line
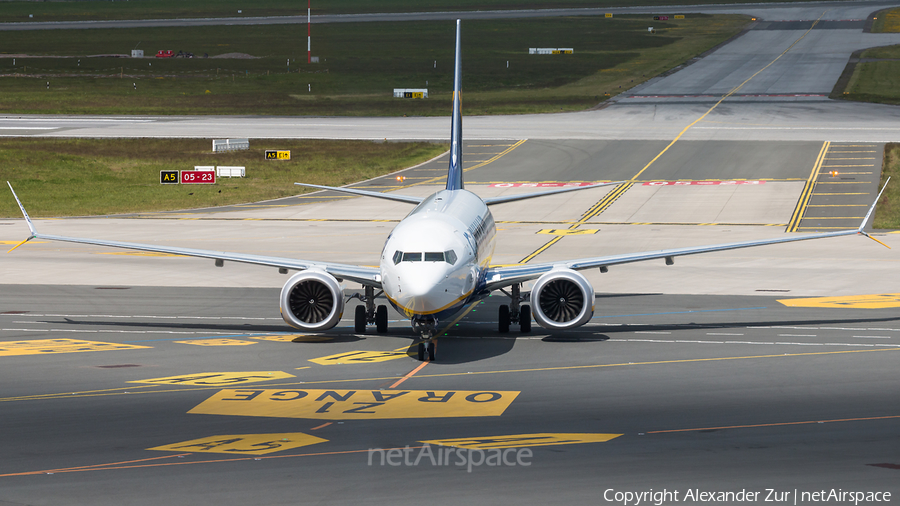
(877, 301)
(282, 339)
(140, 254)
(355, 404)
(359, 357)
(216, 342)
(218, 378)
(19, 242)
(49, 346)
(244, 444)
(555, 231)
(523, 440)
(805, 195)
(302, 338)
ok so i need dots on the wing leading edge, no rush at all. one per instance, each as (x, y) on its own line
(370, 276)
(499, 277)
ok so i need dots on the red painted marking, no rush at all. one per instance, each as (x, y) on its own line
(699, 183)
(536, 185)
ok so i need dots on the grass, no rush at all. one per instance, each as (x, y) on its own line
(360, 64)
(887, 214)
(887, 22)
(79, 177)
(18, 11)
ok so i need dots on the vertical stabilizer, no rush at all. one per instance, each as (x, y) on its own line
(455, 172)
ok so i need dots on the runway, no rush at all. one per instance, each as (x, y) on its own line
(134, 379)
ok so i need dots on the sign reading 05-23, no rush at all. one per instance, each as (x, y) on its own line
(278, 154)
(198, 177)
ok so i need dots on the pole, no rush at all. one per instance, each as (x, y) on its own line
(308, 34)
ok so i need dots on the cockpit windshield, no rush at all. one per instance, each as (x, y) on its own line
(448, 256)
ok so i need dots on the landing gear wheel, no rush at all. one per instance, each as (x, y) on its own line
(430, 348)
(381, 322)
(525, 319)
(421, 349)
(359, 320)
(504, 319)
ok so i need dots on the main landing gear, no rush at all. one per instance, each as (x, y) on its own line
(515, 313)
(369, 314)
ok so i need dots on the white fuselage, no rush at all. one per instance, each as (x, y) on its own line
(434, 261)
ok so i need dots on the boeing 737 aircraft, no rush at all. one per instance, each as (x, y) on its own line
(438, 260)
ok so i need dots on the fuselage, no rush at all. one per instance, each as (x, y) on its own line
(434, 261)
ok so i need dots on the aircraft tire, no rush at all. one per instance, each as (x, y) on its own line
(359, 320)
(504, 319)
(430, 348)
(525, 319)
(381, 319)
(421, 350)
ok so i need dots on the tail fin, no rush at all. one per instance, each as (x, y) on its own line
(455, 172)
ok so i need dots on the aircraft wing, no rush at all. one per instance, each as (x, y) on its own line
(353, 191)
(370, 276)
(500, 277)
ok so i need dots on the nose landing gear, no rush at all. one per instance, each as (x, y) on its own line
(426, 347)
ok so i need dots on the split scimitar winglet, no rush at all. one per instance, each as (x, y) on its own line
(27, 219)
(868, 214)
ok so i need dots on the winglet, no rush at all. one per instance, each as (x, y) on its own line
(455, 171)
(27, 219)
(869, 214)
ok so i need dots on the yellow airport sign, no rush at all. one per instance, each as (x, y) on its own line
(217, 378)
(679, 16)
(523, 440)
(278, 154)
(355, 404)
(876, 301)
(244, 444)
(216, 342)
(50, 346)
(359, 357)
(608, 15)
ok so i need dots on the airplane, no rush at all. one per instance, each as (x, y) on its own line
(437, 261)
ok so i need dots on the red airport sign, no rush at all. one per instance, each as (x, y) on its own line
(198, 177)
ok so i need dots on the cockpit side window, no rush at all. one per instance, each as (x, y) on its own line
(398, 255)
(450, 256)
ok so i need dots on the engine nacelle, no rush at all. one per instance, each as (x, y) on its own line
(312, 300)
(562, 299)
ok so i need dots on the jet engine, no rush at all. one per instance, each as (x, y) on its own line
(312, 300)
(562, 299)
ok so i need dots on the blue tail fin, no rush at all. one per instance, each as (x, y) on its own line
(455, 172)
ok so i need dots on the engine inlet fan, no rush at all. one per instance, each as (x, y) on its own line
(561, 300)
